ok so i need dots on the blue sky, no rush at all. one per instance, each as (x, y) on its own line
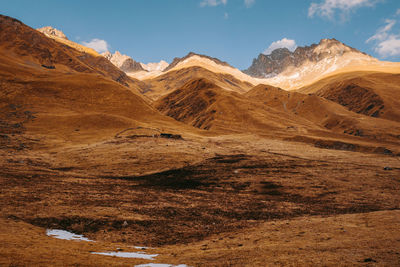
(235, 31)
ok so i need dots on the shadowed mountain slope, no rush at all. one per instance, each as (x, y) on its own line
(326, 114)
(273, 112)
(205, 105)
(370, 93)
(172, 80)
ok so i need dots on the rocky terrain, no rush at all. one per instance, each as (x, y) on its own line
(124, 62)
(50, 31)
(281, 59)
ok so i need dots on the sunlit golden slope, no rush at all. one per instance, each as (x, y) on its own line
(290, 79)
(71, 95)
(74, 45)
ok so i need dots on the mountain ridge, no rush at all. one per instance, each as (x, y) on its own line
(178, 60)
(279, 60)
(282, 68)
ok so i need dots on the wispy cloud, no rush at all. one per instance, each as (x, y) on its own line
(205, 3)
(328, 8)
(226, 15)
(383, 33)
(97, 44)
(387, 43)
(249, 3)
(284, 43)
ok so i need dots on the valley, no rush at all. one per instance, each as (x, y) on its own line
(196, 161)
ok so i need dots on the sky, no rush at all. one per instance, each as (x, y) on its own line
(235, 31)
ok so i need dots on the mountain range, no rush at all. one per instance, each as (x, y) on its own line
(283, 68)
(210, 94)
(294, 159)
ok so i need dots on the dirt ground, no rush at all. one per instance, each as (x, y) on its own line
(237, 200)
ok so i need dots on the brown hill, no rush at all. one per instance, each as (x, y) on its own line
(168, 82)
(370, 93)
(32, 48)
(205, 105)
(53, 91)
(326, 114)
(273, 112)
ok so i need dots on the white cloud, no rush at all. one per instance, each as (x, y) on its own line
(226, 16)
(249, 3)
(284, 43)
(398, 12)
(387, 42)
(97, 44)
(327, 8)
(383, 33)
(389, 47)
(213, 2)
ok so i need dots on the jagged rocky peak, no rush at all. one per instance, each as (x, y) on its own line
(107, 55)
(279, 53)
(266, 66)
(50, 31)
(124, 62)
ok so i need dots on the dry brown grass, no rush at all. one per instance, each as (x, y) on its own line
(242, 193)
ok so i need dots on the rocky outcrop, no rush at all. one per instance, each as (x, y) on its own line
(267, 66)
(123, 62)
(50, 31)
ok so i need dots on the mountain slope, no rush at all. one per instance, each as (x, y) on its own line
(370, 93)
(61, 95)
(281, 59)
(291, 70)
(48, 52)
(174, 79)
(196, 60)
(326, 114)
(205, 105)
(60, 37)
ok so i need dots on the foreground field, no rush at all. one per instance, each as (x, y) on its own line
(216, 201)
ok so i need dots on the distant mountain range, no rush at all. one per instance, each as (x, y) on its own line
(282, 68)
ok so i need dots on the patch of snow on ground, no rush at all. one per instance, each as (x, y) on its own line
(136, 255)
(65, 235)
